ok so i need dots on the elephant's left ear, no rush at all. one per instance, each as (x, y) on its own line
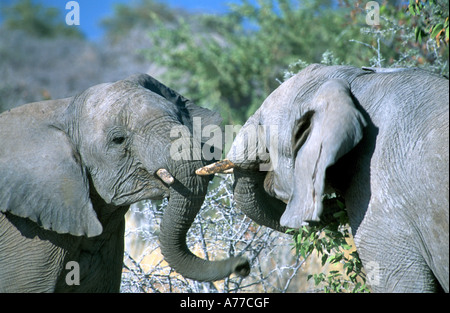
(330, 126)
(41, 175)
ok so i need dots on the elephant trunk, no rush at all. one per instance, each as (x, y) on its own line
(187, 194)
(253, 200)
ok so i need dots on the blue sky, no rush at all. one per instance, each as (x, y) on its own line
(92, 11)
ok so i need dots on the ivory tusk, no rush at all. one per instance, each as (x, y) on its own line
(223, 166)
(165, 176)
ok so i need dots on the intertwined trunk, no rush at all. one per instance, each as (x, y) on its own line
(186, 197)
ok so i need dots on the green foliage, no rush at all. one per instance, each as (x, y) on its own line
(329, 238)
(230, 62)
(431, 19)
(37, 20)
(394, 43)
(144, 14)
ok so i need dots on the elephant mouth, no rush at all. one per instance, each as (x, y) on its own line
(147, 187)
(139, 195)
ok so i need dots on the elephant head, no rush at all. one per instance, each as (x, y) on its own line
(114, 140)
(304, 126)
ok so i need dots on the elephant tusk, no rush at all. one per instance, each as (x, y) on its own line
(224, 166)
(165, 176)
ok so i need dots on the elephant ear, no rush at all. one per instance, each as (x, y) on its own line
(330, 126)
(41, 177)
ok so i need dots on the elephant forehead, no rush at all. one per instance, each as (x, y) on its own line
(97, 116)
(99, 102)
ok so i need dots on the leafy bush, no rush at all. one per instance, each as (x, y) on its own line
(232, 62)
(432, 20)
(330, 239)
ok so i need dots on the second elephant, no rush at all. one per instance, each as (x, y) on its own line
(380, 137)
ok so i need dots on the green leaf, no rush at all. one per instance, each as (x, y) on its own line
(346, 246)
(345, 285)
(418, 33)
(302, 252)
(330, 259)
(437, 29)
(341, 205)
(355, 255)
(411, 10)
(357, 287)
(318, 278)
(339, 214)
(324, 259)
(353, 276)
(349, 268)
(336, 258)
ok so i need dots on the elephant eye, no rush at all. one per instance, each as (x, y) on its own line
(118, 140)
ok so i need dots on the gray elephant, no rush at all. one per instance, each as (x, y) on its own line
(70, 168)
(380, 137)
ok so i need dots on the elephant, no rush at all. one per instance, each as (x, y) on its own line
(377, 137)
(69, 170)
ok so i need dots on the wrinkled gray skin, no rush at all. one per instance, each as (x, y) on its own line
(381, 139)
(70, 168)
